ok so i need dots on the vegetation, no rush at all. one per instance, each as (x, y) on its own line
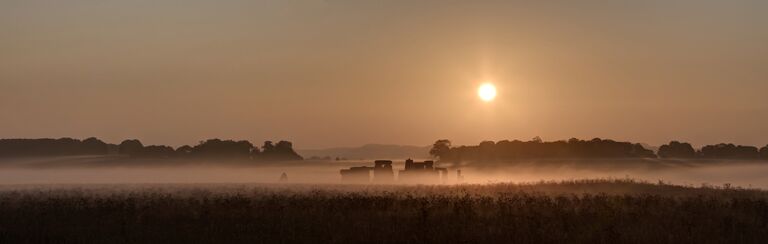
(283, 150)
(536, 148)
(217, 148)
(589, 211)
(596, 148)
(730, 151)
(677, 149)
(52, 147)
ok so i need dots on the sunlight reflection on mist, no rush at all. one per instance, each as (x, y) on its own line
(738, 173)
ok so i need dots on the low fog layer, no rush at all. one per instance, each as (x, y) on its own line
(100, 170)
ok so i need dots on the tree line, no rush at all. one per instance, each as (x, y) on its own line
(212, 148)
(595, 148)
(677, 149)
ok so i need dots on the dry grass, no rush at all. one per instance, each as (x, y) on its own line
(584, 211)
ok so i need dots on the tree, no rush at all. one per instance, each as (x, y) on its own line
(731, 151)
(677, 149)
(639, 151)
(130, 147)
(281, 151)
(537, 140)
(94, 146)
(223, 148)
(268, 147)
(185, 150)
(52, 147)
(284, 146)
(285, 149)
(488, 151)
(255, 152)
(440, 148)
(155, 151)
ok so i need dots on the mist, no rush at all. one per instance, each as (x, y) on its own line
(110, 170)
(747, 174)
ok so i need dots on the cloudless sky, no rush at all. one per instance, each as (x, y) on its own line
(344, 73)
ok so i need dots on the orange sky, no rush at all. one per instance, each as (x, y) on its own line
(344, 73)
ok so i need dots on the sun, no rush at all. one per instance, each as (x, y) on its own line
(487, 92)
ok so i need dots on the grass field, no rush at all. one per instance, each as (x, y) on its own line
(585, 211)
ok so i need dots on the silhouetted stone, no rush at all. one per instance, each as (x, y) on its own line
(414, 172)
(356, 175)
(421, 172)
(382, 172)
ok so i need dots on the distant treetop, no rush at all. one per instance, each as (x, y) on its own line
(595, 148)
(212, 148)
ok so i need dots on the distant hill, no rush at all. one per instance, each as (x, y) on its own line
(370, 151)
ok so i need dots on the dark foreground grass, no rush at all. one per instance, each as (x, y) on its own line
(599, 211)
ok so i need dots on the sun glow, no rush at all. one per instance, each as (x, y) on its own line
(487, 92)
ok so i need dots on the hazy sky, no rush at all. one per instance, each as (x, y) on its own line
(341, 73)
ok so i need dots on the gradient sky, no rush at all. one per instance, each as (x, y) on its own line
(344, 73)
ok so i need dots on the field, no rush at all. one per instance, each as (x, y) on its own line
(582, 211)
